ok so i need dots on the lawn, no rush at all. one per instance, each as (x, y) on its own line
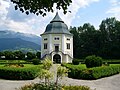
(14, 61)
(80, 66)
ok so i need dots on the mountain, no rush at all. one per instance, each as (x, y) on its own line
(24, 36)
(10, 40)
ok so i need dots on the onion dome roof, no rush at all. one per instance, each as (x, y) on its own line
(56, 26)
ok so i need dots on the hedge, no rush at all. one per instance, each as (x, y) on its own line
(94, 73)
(93, 61)
(23, 73)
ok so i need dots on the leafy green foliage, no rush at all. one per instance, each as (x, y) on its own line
(12, 55)
(45, 73)
(93, 61)
(40, 6)
(36, 61)
(76, 88)
(112, 61)
(30, 55)
(52, 86)
(14, 62)
(61, 72)
(74, 70)
(14, 65)
(76, 61)
(94, 73)
(21, 73)
(8, 55)
(71, 66)
(103, 42)
(38, 55)
(42, 86)
(19, 55)
(47, 63)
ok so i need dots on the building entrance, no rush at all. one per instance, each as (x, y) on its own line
(57, 59)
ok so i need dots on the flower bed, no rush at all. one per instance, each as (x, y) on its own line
(52, 86)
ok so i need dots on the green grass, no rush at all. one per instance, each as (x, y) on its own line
(25, 65)
(14, 61)
(80, 66)
(110, 61)
(114, 64)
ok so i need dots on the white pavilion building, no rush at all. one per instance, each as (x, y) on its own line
(57, 42)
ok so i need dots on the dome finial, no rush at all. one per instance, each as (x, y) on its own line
(57, 18)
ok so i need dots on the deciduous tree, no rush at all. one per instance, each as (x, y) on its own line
(40, 6)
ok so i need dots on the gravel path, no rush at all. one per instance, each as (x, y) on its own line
(108, 83)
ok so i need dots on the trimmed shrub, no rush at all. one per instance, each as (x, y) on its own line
(76, 88)
(94, 73)
(23, 73)
(76, 62)
(36, 61)
(93, 61)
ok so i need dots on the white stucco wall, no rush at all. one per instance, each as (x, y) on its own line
(66, 54)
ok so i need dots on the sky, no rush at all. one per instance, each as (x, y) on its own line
(82, 11)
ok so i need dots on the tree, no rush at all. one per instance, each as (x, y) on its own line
(76, 42)
(30, 55)
(0, 54)
(104, 42)
(40, 6)
(9, 55)
(38, 55)
(19, 55)
(85, 39)
(110, 32)
(107, 28)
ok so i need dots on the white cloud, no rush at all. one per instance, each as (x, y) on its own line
(3, 10)
(15, 20)
(114, 9)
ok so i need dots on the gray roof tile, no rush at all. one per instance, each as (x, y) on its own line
(56, 26)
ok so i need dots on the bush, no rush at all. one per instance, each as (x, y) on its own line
(76, 88)
(42, 86)
(36, 61)
(94, 73)
(93, 61)
(21, 73)
(75, 61)
(52, 86)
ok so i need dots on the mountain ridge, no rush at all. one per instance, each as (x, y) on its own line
(10, 40)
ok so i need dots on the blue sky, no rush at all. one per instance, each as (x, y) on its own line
(83, 11)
